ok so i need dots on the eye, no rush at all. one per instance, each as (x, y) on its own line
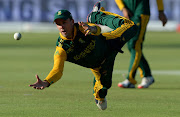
(57, 24)
(62, 23)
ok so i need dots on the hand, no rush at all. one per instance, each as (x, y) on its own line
(162, 17)
(39, 84)
(88, 29)
(126, 13)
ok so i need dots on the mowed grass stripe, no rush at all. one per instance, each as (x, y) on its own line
(155, 72)
(72, 96)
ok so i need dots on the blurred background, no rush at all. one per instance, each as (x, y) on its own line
(37, 15)
(72, 95)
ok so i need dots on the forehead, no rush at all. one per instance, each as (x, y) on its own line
(61, 20)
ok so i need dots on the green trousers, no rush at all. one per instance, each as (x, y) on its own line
(124, 30)
(140, 15)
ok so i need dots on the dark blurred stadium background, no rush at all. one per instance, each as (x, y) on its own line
(37, 15)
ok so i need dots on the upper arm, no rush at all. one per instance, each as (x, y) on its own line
(59, 57)
(57, 71)
(120, 4)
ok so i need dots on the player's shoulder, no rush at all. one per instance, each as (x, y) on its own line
(64, 44)
(59, 46)
(60, 52)
(61, 42)
(58, 40)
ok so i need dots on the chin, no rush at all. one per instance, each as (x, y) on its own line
(64, 34)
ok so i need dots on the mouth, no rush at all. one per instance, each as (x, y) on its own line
(63, 31)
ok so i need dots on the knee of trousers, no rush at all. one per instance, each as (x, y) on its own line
(106, 83)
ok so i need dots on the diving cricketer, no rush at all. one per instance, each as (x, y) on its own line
(84, 44)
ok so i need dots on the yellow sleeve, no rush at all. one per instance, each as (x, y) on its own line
(160, 5)
(57, 71)
(91, 24)
(120, 4)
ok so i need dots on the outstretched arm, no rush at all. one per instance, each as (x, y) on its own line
(57, 71)
(39, 84)
(55, 74)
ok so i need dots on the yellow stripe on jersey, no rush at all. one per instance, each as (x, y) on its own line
(144, 22)
(55, 74)
(119, 31)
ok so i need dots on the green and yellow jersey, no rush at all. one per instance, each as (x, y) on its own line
(139, 12)
(89, 51)
(132, 5)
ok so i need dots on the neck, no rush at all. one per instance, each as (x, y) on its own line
(71, 35)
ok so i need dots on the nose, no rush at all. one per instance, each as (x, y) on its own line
(60, 26)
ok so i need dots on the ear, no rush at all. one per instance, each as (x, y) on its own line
(72, 21)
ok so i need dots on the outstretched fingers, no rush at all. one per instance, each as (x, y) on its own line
(37, 77)
(86, 28)
(87, 32)
(37, 84)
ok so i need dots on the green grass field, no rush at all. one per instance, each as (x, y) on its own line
(72, 95)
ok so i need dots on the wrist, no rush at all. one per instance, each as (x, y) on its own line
(94, 30)
(161, 11)
(124, 9)
(47, 84)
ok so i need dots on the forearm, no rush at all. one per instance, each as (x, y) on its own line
(57, 71)
(53, 76)
(46, 83)
(160, 5)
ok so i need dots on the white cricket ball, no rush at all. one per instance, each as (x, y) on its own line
(17, 36)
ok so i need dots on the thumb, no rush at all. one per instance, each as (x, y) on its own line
(87, 32)
(37, 77)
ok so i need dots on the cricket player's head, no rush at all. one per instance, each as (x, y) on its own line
(64, 23)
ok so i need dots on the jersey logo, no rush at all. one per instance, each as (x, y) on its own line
(86, 51)
(81, 41)
(56, 53)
